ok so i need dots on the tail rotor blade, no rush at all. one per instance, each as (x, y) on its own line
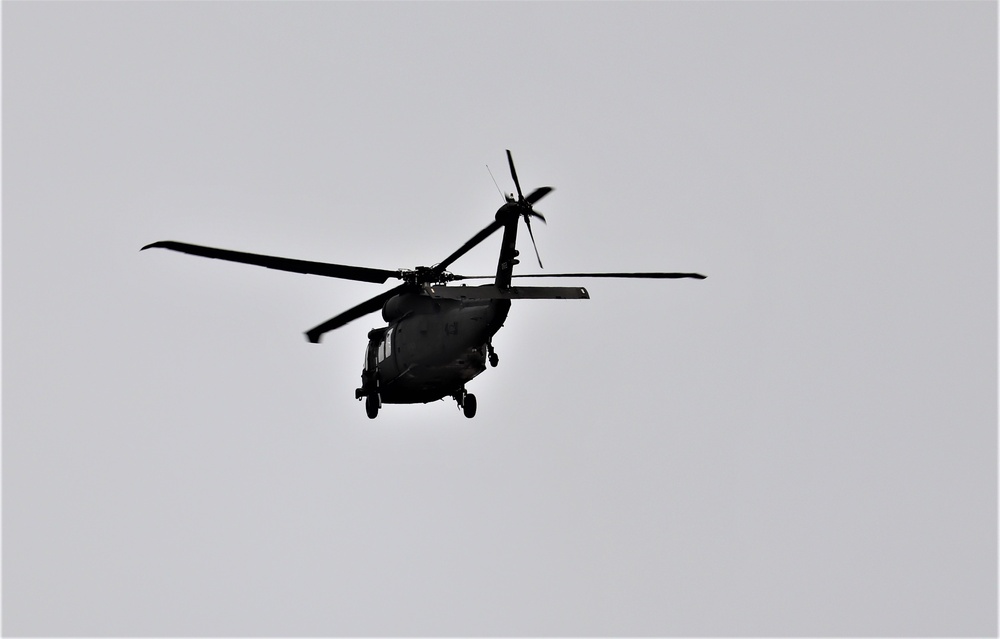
(534, 213)
(513, 174)
(538, 194)
(527, 222)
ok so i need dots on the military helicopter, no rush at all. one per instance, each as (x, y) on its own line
(438, 337)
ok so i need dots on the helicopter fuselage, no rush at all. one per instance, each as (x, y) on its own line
(431, 347)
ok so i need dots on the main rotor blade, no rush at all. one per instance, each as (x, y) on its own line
(491, 292)
(358, 273)
(465, 248)
(513, 174)
(369, 306)
(538, 194)
(647, 276)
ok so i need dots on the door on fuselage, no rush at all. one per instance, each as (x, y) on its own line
(372, 357)
(380, 357)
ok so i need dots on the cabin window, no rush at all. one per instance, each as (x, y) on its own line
(386, 348)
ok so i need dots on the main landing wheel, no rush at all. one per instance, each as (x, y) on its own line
(371, 406)
(469, 406)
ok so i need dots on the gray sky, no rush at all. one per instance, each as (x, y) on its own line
(805, 443)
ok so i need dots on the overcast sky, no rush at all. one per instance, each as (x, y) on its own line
(804, 443)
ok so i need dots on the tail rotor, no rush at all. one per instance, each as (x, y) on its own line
(526, 204)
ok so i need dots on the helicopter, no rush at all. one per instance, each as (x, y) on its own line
(438, 337)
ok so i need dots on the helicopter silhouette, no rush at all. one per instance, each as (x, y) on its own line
(438, 337)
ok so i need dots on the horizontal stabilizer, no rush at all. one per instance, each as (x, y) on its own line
(491, 292)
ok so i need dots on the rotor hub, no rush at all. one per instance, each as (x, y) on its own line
(422, 275)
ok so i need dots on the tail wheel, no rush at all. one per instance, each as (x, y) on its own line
(469, 406)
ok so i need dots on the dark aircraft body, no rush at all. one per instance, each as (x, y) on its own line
(432, 352)
(438, 336)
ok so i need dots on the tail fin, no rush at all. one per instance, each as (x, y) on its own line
(508, 253)
(508, 215)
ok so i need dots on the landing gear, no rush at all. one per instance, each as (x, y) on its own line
(469, 407)
(371, 406)
(494, 359)
(369, 390)
(467, 402)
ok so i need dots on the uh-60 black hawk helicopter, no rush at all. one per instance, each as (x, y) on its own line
(438, 337)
